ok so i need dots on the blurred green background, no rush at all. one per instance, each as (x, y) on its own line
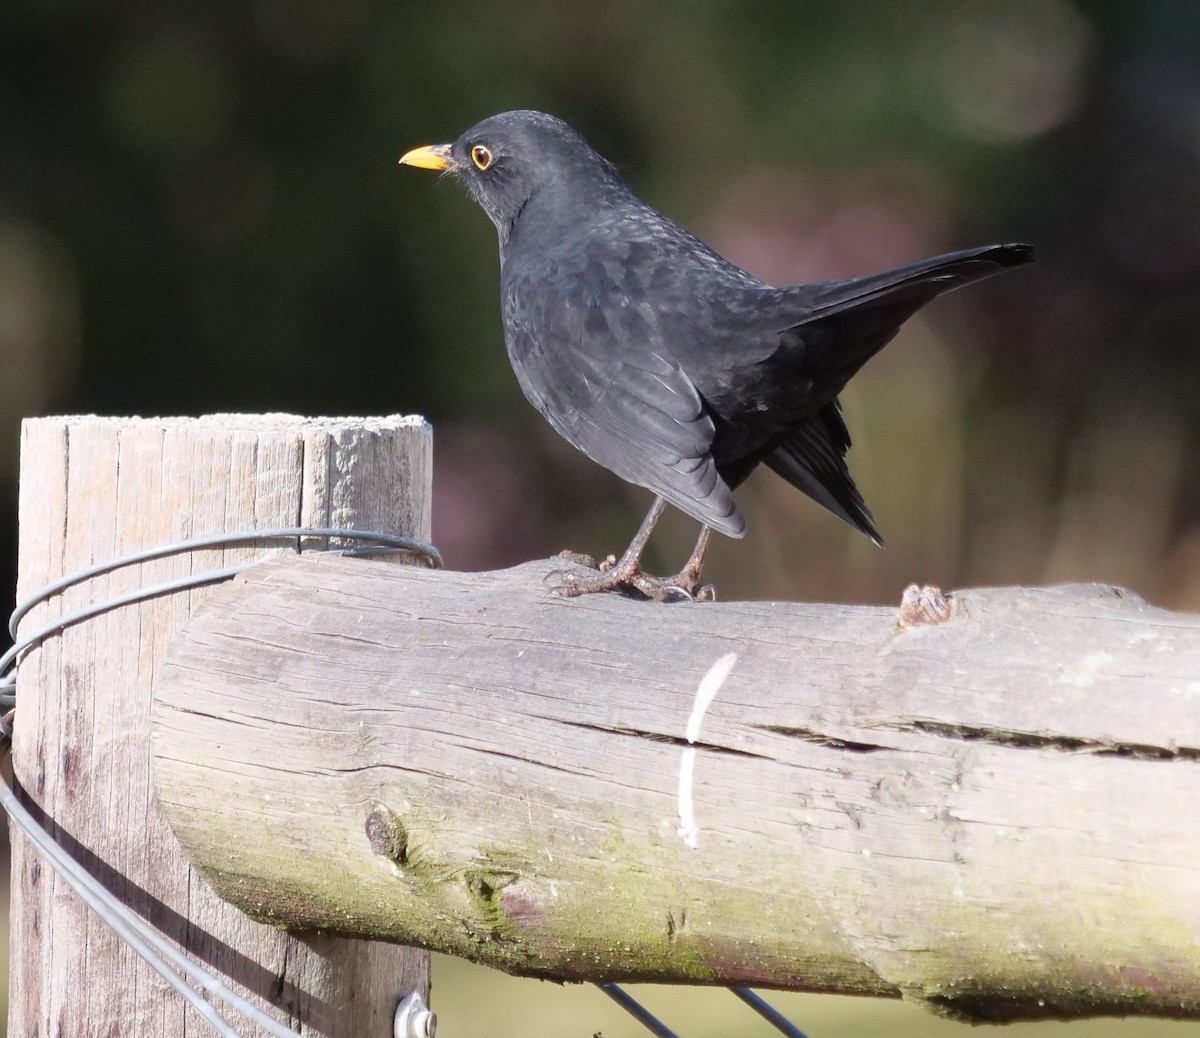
(200, 211)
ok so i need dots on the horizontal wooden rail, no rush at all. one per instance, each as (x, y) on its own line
(989, 802)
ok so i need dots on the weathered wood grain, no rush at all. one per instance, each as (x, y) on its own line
(92, 489)
(997, 813)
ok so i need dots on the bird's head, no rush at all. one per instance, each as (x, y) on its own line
(509, 158)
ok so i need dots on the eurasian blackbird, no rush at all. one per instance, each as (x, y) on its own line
(659, 359)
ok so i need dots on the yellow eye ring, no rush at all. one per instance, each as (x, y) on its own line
(481, 156)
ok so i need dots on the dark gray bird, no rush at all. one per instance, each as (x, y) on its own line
(659, 359)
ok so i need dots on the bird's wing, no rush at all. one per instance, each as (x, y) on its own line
(608, 386)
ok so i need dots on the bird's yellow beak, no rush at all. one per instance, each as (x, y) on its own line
(432, 156)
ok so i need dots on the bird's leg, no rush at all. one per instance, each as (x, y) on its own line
(683, 585)
(625, 572)
(687, 580)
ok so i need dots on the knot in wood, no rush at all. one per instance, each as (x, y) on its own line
(387, 834)
(924, 604)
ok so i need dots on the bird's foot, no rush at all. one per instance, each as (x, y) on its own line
(627, 577)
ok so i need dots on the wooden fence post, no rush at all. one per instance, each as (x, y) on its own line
(94, 488)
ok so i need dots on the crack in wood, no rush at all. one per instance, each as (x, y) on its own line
(525, 760)
(822, 738)
(1063, 743)
(641, 733)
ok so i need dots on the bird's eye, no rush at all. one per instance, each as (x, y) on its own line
(481, 156)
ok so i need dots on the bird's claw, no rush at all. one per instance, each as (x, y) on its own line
(565, 588)
(570, 584)
(672, 592)
(695, 593)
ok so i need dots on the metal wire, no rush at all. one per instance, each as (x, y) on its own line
(157, 953)
(769, 1013)
(432, 556)
(146, 941)
(635, 1009)
(655, 1026)
(380, 542)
